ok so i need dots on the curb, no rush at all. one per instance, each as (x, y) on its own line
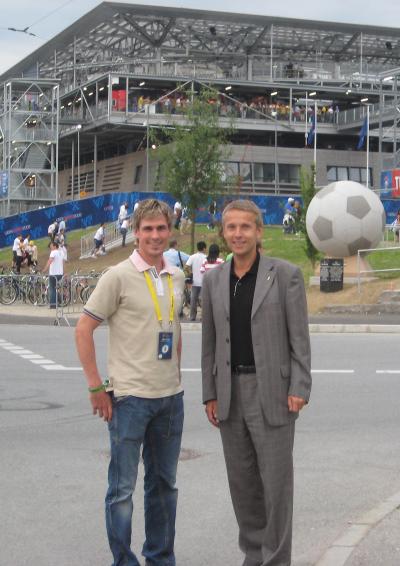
(341, 549)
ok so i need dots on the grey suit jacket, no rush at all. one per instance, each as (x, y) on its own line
(280, 335)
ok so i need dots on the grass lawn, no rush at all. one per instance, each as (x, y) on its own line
(275, 243)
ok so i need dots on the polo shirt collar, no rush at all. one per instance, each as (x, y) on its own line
(142, 265)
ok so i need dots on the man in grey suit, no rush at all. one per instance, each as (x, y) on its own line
(256, 379)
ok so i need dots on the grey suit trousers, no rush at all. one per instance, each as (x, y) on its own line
(259, 461)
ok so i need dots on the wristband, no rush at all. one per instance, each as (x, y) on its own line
(101, 387)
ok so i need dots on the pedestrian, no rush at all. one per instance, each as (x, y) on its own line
(123, 213)
(194, 263)
(52, 230)
(124, 230)
(256, 378)
(99, 240)
(177, 214)
(17, 253)
(174, 256)
(212, 211)
(55, 267)
(212, 260)
(34, 254)
(143, 401)
(62, 229)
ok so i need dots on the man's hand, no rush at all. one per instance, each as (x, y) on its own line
(295, 404)
(212, 412)
(101, 403)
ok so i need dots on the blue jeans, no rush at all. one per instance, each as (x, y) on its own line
(157, 425)
(52, 289)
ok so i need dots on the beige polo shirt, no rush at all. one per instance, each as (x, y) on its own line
(122, 297)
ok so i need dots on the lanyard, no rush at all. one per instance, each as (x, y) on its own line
(155, 298)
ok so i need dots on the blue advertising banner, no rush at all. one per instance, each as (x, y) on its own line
(3, 184)
(105, 208)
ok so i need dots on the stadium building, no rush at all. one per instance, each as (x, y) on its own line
(76, 115)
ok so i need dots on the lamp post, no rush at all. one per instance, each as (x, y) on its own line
(78, 129)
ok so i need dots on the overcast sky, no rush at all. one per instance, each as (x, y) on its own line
(49, 17)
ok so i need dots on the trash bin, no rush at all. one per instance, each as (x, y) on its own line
(331, 275)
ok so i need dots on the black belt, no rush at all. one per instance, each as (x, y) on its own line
(243, 369)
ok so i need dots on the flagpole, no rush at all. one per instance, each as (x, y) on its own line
(306, 119)
(367, 171)
(315, 139)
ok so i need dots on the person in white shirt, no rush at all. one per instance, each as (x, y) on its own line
(55, 267)
(17, 253)
(177, 214)
(123, 213)
(195, 262)
(99, 240)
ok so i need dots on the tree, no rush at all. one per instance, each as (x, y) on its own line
(191, 162)
(307, 189)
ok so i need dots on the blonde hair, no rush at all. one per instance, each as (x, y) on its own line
(151, 208)
(246, 206)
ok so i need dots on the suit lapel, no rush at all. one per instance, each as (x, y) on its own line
(265, 278)
(224, 285)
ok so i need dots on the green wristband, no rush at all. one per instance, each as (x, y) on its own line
(101, 387)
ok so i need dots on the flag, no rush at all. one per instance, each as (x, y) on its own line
(311, 133)
(363, 133)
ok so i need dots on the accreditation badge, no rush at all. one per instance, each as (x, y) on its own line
(165, 340)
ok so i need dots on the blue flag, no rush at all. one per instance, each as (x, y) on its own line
(311, 133)
(362, 134)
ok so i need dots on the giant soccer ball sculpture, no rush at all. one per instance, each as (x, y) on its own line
(345, 217)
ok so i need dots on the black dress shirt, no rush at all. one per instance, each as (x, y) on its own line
(241, 303)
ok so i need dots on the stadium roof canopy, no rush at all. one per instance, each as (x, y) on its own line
(117, 36)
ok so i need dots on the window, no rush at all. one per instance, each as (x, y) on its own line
(357, 174)
(264, 172)
(231, 170)
(245, 172)
(138, 174)
(289, 173)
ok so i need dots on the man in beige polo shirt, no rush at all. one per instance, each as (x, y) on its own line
(142, 401)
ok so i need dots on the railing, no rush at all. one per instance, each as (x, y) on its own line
(112, 239)
(365, 271)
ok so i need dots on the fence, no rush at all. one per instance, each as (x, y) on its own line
(71, 292)
(112, 239)
(365, 271)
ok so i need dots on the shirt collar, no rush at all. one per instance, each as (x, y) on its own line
(253, 269)
(142, 265)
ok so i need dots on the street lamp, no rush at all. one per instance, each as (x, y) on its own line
(78, 129)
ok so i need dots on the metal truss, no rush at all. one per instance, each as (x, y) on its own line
(29, 144)
(128, 38)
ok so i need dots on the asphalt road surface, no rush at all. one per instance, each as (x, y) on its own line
(54, 453)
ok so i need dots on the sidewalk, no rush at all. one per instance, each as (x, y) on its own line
(21, 313)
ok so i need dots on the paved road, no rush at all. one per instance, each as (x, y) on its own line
(55, 453)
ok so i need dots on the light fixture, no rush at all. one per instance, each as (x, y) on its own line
(62, 107)
(85, 88)
(142, 83)
(312, 93)
(40, 95)
(228, 87)
(274, 93)
(387, 79)
(101, 88)
(364, 99)
(90, 93)
(78, 126)
(70, 103)
(348, 91)
(153, 146)
(79, 99)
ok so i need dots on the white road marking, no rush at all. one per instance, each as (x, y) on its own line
(40, 361)
(389, 371)
(59, 367)
(332, 371)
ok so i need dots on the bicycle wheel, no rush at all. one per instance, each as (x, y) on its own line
(8, 291)
(37, 294)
